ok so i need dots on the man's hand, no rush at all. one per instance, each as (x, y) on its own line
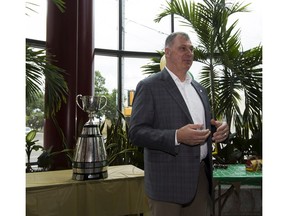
(192, 134)
(222, 131)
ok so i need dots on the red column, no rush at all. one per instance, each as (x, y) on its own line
(69, 40)
(85, 75)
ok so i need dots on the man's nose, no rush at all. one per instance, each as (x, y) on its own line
(190, 52)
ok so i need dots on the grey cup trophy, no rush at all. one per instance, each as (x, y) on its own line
(90, 158)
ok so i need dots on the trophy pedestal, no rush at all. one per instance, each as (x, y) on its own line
(84, 177)
(89, 171)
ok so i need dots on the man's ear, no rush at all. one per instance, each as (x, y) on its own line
(167, 52)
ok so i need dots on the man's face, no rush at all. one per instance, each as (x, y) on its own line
(179, 55)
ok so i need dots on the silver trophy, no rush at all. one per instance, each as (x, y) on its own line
(90, 158)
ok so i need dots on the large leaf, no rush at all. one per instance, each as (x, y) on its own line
(31, 135)
(40, 72)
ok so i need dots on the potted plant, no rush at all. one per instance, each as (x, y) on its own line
(119, 149)
(31, 146)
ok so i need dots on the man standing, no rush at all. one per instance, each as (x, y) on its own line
(171, 120)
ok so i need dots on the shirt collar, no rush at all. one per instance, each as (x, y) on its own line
(188, 78)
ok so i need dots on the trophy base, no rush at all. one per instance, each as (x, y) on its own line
(89, 170)
(92, 176)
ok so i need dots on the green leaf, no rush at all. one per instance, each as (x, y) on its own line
(31, 135)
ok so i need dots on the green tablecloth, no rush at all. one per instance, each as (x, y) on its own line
(237, 173)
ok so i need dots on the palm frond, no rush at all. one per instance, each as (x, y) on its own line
(40, 72)
(154, 65)
(30, 8)
(60, 5)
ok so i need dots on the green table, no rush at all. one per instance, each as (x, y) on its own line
(235, 175)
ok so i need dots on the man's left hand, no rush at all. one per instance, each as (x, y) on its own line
(222, 131)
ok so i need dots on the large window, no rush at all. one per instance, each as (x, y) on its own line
(128, 26)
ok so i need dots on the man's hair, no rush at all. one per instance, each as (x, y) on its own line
(172, 36)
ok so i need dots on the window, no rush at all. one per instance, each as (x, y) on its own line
(138, 29)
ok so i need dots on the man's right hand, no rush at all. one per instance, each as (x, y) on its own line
(192, 134)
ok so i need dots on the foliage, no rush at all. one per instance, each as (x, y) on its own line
(238, 149)
(35, 113)
(35, 120)
(154, 65)
(39, 69)
(31, 146)
(118, 146)
(41, 72)
(35, 104)
(29, 8)
(60, 4)
(110, 111)
(45, 160)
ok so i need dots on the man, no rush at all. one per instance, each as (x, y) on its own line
(171, 120)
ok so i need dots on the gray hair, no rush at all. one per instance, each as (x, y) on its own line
(170, 39)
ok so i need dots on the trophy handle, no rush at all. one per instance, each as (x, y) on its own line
(77, 97)
(100, 108)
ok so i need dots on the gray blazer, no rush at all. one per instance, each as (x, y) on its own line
(171, 172)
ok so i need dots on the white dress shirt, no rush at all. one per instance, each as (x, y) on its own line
(194, 105)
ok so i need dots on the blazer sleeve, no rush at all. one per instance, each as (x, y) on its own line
(141, 126)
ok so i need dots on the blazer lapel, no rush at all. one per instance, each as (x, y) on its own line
(173, 90)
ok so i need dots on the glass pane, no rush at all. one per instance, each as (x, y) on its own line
(107, 68)
(106, 24)
(132, 75)
(141, 32)
(250, 24)
(35, 19)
